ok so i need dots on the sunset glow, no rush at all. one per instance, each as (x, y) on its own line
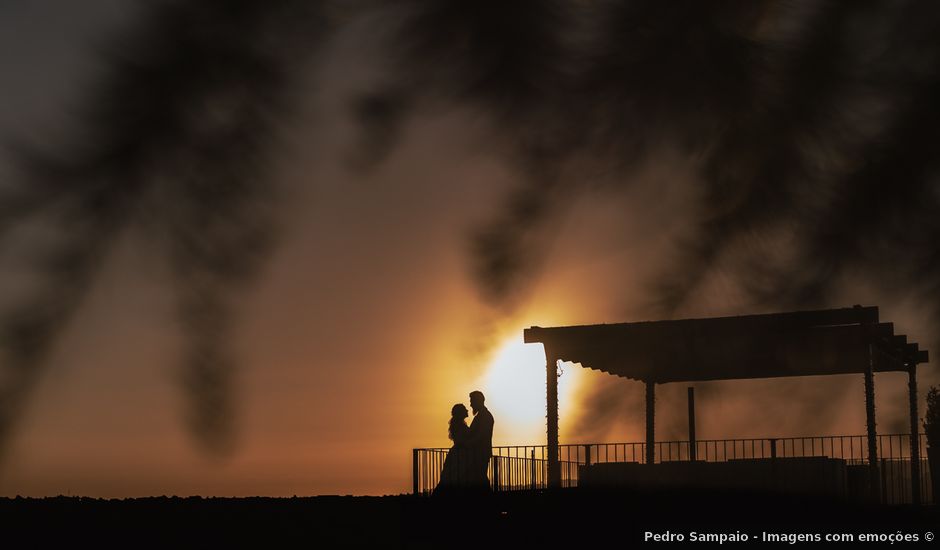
(514, 385)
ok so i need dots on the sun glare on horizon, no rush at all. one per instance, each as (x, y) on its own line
(514, 384)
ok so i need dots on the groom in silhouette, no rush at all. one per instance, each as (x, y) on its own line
(480, 441)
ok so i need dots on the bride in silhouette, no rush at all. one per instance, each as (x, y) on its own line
(455, 474)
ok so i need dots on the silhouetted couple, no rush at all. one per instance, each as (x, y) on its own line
(466, 463)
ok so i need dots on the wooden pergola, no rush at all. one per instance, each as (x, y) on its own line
(804, 343)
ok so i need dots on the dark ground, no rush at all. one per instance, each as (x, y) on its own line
(567, 519)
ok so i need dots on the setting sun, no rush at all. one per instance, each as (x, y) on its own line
(514, 385)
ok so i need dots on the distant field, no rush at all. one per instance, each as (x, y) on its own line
(547, 519)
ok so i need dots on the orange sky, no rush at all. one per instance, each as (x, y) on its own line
(363, 333)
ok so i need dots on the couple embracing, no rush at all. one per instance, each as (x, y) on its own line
(467, 461)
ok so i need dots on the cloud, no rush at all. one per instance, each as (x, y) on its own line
(806, 134)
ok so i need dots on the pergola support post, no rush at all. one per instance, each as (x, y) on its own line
(551, 395)
(692, 443)
(650, 422)
(915, 434)
(874, 478)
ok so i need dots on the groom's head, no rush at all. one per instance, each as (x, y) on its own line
(476, 401)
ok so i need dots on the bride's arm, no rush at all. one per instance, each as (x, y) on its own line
(462, 435)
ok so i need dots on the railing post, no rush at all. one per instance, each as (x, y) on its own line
(532, 468)
(414, 471)
(587, 455)
(496, 473)
(773, 448)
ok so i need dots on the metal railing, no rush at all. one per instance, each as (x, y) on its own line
(525, 467)
(511, 468)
